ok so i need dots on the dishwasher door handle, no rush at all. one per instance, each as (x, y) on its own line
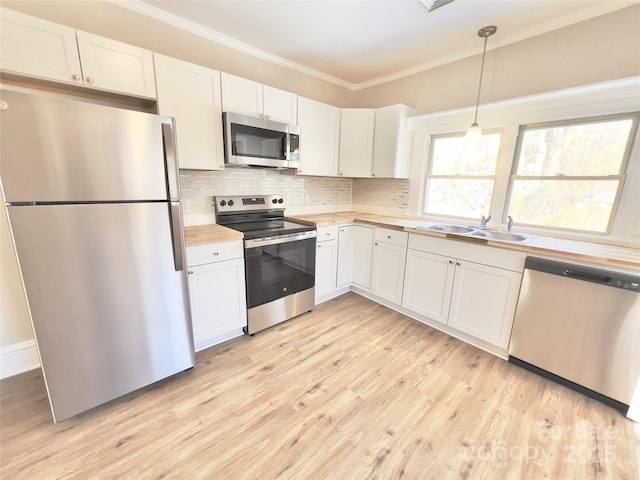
(588, 276)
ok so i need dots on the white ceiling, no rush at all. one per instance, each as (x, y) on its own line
(359, 43)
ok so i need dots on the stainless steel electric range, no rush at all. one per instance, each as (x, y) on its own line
(280, 258)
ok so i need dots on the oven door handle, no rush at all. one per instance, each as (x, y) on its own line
(289, 237)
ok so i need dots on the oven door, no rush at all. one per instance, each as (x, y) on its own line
(279, 266)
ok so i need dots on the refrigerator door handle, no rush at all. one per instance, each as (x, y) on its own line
(175, 216)
(171, 159)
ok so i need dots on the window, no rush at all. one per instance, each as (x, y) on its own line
(570, 175)
(461, 175)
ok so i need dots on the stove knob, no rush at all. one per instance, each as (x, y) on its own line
(274, 201)
(223, 203)
(280, 200)
(230, 203)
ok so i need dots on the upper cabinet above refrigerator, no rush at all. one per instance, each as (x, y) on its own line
(49, 51)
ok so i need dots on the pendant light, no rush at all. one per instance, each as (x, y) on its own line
(485, 32)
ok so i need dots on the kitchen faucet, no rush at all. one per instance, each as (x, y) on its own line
(510, 224)
(483, 221)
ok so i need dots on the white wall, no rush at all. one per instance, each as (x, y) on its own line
(597, 50)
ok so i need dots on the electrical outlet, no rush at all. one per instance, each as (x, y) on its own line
(341, 198)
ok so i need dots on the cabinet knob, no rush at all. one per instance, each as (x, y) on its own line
(319, 245)
(389, 237)
(75, 76)
(373, 174)
(376, 243)
(458, 263)
(216, 253)
(190, 272)
(89, 79)
(450, 262)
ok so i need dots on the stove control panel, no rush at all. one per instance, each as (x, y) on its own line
(249, 203)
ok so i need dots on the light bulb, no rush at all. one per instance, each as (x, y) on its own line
(474, 131)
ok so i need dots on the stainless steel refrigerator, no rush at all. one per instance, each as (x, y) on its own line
(92, 196)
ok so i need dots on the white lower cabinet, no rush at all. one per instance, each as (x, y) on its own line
(471, 297)
(217, 292)
(387, 264)
(483, 301)
(355, 244)
(326, 263)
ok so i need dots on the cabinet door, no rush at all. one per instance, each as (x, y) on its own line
(391, 143)
(38, 48)
(356, 141)
(355, 244)
(116, 66)
(326, 268)
(240, 95)
(346, 247)
(191, 94)
(319, 133)
(483, 301)
(218, 305)
(387, 271)
(280, 105)
(428, 283)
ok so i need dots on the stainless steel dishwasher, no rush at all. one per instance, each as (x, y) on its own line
(580, 326)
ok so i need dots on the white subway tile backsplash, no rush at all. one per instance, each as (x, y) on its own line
(381, 192)
(199, 186)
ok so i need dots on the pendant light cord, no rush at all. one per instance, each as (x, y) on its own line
(484, 51)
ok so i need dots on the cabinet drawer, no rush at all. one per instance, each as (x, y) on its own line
(395, 237)
(327, 233)
(483, 254)
(214, 252)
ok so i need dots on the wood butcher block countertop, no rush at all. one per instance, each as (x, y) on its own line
(201, 234)
(568, 250)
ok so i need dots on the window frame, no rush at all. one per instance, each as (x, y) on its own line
(429, 175)
(621, 177)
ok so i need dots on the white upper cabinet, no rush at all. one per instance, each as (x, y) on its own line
(356, 141)
(240, 95)
(280, 105)
(38, 48)
(319, 137)
(392, 142)
(47, 50)
(191, 94)
(116, 66)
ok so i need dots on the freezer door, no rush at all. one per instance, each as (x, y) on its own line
(109, 310)
(56, 150)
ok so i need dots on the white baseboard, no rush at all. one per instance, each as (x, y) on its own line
(18, 358)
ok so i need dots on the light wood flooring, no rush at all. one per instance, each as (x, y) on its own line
(350, 391)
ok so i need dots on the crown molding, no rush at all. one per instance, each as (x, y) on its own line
(194, 28)
(546, 27)
(191, 27)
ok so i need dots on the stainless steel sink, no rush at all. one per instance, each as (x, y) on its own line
(503, 236)
(446, 228)
(477, 232)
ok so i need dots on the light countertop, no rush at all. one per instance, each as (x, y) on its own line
(212, 233)
(568, 249)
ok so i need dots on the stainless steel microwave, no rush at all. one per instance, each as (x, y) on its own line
(260, 142)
